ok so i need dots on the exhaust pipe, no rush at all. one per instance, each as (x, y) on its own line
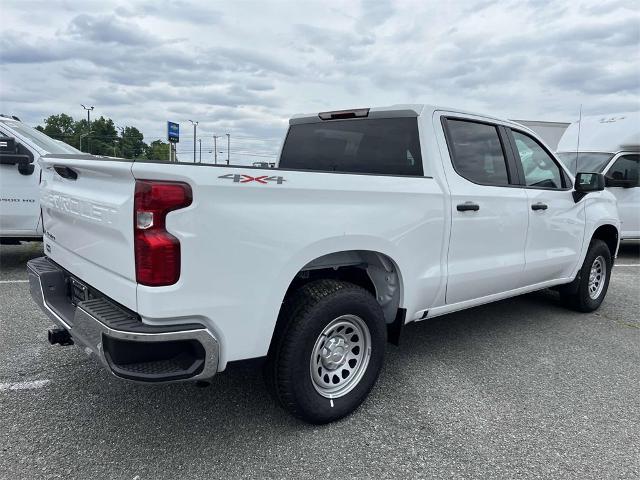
(59, 336)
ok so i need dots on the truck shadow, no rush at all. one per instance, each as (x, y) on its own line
(14, 258)
(629, 249)
(236, 414)
(235, 418)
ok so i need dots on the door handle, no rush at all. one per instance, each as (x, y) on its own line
(539, 206)
(66, 172)
(468, 206)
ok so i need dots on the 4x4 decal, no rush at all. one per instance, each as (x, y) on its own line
(242, 178)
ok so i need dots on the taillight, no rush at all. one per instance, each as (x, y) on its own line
(157, 251)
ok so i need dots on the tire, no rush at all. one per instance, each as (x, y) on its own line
(326, 327)
(586, 292)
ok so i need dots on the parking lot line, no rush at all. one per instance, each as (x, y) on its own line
(23, 385)
(627, 265)
(14, 281)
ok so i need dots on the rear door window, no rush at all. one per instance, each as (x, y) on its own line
(385, 146)
(477, 152)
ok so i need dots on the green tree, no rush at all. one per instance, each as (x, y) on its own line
(132, 143)
(103, 139)
(62, 127)
(158, 150)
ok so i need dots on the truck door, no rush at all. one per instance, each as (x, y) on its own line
(19, 179)
(556, 221)
(488, 211)
(625, 167)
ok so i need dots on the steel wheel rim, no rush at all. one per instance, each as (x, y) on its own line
(340, 356)
(597, 277)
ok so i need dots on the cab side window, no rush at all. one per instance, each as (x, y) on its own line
(540, 170)
(476, 152)
(626, 168)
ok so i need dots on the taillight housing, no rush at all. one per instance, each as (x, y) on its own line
(157, 252)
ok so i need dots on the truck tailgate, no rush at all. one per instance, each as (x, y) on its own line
(87, 207)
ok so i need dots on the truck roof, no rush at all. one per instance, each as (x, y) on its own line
(401, 110)
(603, 133)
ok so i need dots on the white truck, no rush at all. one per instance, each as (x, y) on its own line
(373, 218)
(20, 148)
(609, 144)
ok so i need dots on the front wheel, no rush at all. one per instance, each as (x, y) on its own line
(592, 283)
(327, 356)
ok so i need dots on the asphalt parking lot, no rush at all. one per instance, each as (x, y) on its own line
(518, 389)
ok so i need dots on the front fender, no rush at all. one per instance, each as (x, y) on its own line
(600, 209)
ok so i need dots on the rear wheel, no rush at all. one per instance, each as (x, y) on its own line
(589, 289)
(328, 352)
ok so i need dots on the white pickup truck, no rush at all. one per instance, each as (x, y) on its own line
(373, 218)
(20, 148)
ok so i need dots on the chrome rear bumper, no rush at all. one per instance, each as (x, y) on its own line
(116, 337)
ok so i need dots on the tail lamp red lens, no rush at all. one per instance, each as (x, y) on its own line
(157, 252)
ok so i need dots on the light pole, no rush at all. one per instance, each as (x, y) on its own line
(215, 149)
(122, 140)
(228, 147)
(82, 135)
(88, 109)
(195, 126)
(200, 143)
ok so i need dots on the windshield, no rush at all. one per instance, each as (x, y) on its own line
(587, 161)
(39, 139)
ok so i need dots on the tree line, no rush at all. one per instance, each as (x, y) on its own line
(103, 138)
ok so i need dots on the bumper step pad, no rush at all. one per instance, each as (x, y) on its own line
(117, 336)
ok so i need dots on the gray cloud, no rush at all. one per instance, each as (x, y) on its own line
(110, 29)
(248, 60)
(594, 79)
(375, 12)
(175, 10)
(245, 68)
(340, 45)
(14, 48)
(617, 33)
(605, 7)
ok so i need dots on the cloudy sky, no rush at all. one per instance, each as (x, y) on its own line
(244, 67)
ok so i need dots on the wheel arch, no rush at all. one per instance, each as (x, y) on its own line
(373, 270)
(610, 235)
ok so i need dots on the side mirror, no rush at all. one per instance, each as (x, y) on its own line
(13, 153)
(618, 182)
(14, 159)
(26, 168)
(7, 145)
(587, 183)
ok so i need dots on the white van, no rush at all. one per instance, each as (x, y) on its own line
(609, 144)
(20, 148)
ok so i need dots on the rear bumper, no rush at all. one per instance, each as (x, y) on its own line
(117, 337)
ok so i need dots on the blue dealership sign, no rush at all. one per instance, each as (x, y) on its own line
(173, 132)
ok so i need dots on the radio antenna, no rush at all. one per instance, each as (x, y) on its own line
(578, 145)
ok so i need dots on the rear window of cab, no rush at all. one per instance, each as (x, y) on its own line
(384, 146)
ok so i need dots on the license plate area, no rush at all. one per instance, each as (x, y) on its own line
(78, 291)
